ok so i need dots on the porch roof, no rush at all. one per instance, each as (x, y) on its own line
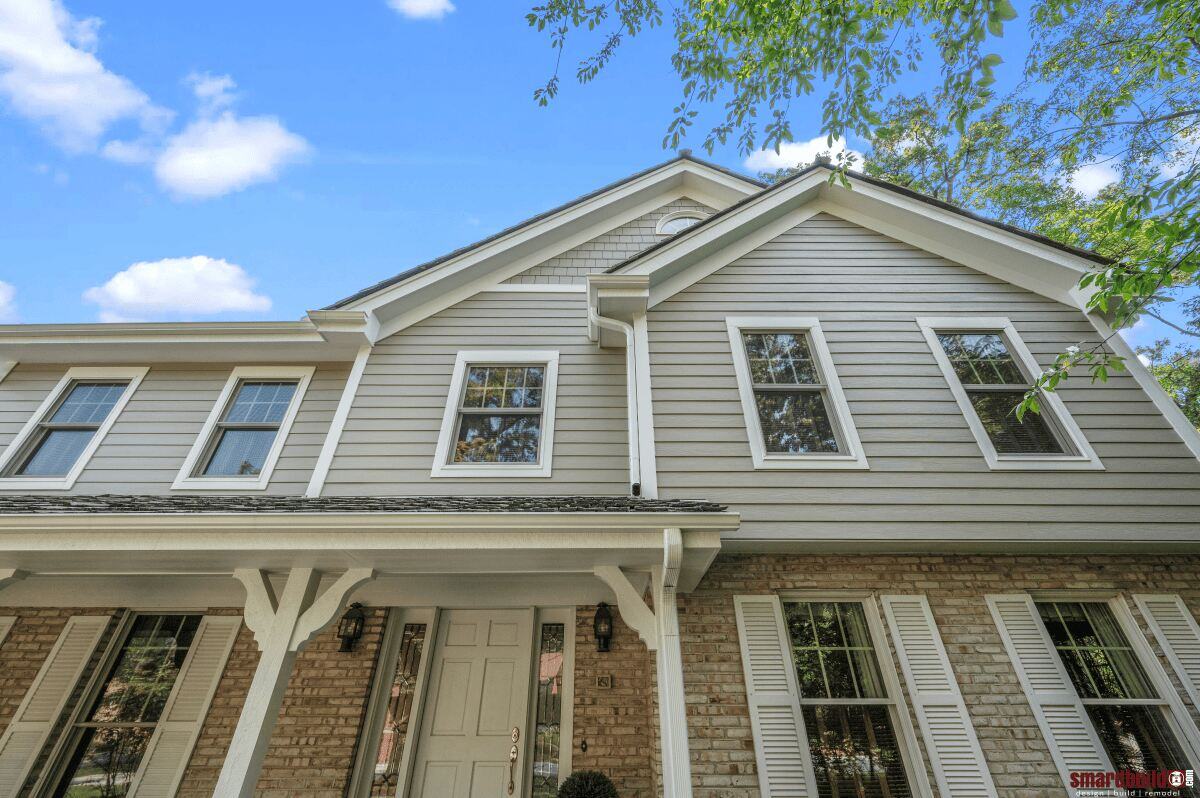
(34, 504)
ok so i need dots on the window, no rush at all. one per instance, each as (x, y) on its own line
(109, 740)
(989, 370)
(1130, 717)
(677, 222)
(796, 414)
(547, 731)
(246, 430)
(849, 714)
(499, 416)
(62, 435)
(397, 717)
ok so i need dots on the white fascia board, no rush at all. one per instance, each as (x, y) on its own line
(323, 336)
(1037, 267)
(914, 538)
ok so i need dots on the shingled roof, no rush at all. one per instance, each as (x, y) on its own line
(184, 504)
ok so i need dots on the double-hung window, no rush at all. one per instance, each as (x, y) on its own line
(56, 443)
(1125, 707)
(849, 713)
(499, 417)
(245, 432)
(989, 370)
(106, 743)
(796, 414)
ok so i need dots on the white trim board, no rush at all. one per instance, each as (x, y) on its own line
(852, 456)
(187, 479)
(333, 436)
(132, 374)
(548, 358)
(1057, 416)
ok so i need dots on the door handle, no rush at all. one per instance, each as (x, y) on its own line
(512, 760)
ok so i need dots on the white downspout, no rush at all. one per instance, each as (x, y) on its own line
(635, 460)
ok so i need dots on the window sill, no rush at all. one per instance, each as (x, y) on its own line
(810, 463)
(1020, 463)
(480, 471)
(222, 483)
(37, 483)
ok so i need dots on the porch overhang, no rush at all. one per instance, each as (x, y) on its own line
(389, 543)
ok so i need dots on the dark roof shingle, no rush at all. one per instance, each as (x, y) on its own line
(28, 504)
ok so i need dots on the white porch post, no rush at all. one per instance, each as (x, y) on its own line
(672, 708)
(281, 628)
(660, 631)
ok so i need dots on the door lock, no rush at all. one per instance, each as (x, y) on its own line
(512, 760)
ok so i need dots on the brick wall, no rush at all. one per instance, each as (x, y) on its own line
(722, 748)
(617, 723)
(313, 746)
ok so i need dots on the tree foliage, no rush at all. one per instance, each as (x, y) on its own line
(1108, 88)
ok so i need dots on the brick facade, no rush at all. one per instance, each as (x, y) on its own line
(722, 746)
(314, 743)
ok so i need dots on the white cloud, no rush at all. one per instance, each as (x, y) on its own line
(176, 287)
(216, 156)
(8, 302)
(213, 91)
(422, 9)
(50, 74)
(798, 153)
(1091, 178)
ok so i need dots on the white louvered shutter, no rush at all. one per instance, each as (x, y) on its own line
(6, 625)
(1178, 635)
(1060, 714)
(171, 745)
(954, 751)
(42, 705)
(780, 743)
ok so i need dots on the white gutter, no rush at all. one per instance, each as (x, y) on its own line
(631, 394)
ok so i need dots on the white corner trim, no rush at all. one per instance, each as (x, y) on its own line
(186, 479)
(681, 214)
(6, 367)
(442, 467)
(334, 436)
(852, 456)
(1162, 400)
(133, 374)
(1052, 403)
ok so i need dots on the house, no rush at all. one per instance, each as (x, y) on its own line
(707, 485)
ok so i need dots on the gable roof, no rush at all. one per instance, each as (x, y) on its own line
(751, 186)
(1024, 258)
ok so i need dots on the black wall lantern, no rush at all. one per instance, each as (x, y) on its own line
(350, 627)
(602, 626)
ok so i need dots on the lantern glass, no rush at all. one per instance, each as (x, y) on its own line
(602, 626)
(350, 627)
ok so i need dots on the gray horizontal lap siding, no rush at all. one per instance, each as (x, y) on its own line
(388, 444)
(605, 250)
(149, 441)
(926, 470)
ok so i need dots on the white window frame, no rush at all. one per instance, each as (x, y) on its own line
(1169, 701)
(897, 704)
(1057, 417)
(186, 478)
(132, 374)
(442, 467)
(852, 456)
(670, 217)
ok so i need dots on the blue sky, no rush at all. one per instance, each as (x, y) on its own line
(366, 137)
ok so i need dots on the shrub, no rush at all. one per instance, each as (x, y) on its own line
(587, 784)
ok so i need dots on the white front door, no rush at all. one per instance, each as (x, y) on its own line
(478, 695)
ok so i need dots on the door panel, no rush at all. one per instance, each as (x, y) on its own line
(479, 692)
